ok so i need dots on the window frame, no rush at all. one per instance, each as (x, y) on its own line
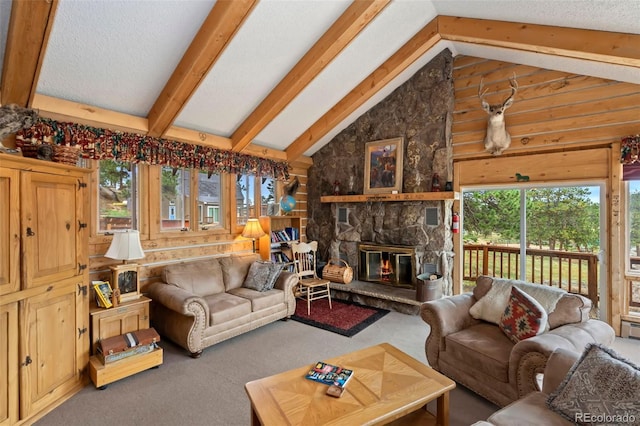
(629, 272)
(194, 229)
(97, 236)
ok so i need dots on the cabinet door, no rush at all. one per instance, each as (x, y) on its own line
(51, 213)
(9, 231)
(53, 342)
(9, 364)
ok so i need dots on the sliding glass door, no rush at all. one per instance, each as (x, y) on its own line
(557, 230)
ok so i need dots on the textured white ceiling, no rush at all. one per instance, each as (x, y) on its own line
(115, 54)
(272, 40)
(118, 54)
(366, 53)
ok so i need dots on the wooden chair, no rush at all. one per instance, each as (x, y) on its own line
(310, 286)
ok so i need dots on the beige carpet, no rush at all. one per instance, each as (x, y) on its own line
(210, 390)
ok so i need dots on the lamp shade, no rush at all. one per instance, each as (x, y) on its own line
(125, 246)
(252, 229)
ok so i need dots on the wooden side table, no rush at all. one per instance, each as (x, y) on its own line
(127, 317)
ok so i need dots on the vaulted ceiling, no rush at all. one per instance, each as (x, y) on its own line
(279, 78)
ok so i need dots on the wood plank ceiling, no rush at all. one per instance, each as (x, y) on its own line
(31, 23)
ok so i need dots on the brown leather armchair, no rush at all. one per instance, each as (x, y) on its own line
(479, 356)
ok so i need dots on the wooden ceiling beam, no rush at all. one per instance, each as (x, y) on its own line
(417, 46)
(215, 34)
(354, 19)
(592, 45)
(27, 37)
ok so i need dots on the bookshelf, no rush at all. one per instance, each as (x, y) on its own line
(277, 239)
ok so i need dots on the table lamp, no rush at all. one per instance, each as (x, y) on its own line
(253, 230)
(126, 246)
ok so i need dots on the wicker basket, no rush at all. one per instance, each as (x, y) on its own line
(66, 154)
(28, 150)
(337, 272)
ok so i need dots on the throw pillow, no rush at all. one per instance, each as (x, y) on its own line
(274, 273)
(491, 306)
(262, 275)
(523, 317)
(601, 387)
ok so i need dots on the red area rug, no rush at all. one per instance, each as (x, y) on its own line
(346, 318)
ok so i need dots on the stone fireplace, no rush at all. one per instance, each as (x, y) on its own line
(420, 111)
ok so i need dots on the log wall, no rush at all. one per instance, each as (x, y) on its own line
(553, 110)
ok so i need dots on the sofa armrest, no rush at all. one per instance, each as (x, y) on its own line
(178, 300)
(179, 315)
(285, 282)
(558, 365)
(529, 357)
(445, 316)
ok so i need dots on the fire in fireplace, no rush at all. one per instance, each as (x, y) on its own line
(390, 265)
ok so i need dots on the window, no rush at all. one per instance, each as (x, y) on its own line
(175, 209)
(209, 196)
(268, 206)
(252, 188)
(117, 196)
(548, 234)
(245, 199)
(633, 226)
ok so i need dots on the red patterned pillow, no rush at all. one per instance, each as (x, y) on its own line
(523, 317)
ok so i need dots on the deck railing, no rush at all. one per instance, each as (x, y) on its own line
(572, 271)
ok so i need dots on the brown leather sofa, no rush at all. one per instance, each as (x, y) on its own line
(478, 355)
(532, 410)
(201, 303)
(569, 387)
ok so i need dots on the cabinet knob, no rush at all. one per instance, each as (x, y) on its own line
(30, 232)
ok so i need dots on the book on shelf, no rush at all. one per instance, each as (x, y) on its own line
(329, 374)
(293, 233)
(103, 293)
(280, 257)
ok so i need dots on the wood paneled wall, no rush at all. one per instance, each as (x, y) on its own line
(164, 249)
(564, 127)
(553, 110)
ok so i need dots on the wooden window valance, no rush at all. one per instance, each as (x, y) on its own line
(102, 144)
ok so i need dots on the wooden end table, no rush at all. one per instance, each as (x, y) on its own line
(387, 386)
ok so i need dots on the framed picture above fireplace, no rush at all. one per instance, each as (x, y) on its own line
(383, 166)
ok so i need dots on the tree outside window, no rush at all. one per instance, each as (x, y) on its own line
(117, 196)
(175, 210)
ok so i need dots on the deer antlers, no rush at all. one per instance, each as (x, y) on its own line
(497, 108)
(497, 139)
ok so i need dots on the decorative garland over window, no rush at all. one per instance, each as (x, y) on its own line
(102, 144)
(630, 150)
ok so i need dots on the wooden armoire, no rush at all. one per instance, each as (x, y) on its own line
(44, 294)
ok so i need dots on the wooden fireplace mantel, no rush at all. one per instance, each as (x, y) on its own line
(407, 196)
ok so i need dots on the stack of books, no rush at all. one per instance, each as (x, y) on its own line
(329, 374)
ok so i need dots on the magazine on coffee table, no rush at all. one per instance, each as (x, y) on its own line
(329, 374)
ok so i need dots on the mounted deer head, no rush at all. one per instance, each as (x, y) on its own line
(497, 138)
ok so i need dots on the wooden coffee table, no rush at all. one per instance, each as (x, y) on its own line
(387, 386)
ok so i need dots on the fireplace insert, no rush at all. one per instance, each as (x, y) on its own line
(392, 265)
